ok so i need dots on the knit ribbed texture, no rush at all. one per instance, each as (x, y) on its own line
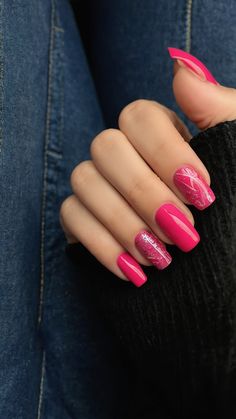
(178, 332)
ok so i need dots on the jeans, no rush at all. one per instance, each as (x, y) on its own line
(58, 88)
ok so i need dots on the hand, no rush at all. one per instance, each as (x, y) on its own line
(131, 197)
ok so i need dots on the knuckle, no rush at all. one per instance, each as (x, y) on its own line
(139, 189)
(66, 206)
(140, 107)
(103, 140)
(81, 173)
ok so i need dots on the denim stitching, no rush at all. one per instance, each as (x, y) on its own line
(188, 25)
(1, 75)
(57, 95)
(59, 30)
(41, 386)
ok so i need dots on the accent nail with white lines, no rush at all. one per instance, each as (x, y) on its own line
(193, 187)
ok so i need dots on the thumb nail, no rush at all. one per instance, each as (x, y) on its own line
(190, 62)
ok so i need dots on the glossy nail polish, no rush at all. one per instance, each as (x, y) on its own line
(177, 227)
(193, 187)
(152, 249)
(131, 269)
(193, 63)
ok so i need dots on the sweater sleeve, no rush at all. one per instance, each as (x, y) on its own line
(178, 331)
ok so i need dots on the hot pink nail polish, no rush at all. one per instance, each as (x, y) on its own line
(131, 269)
(177, 227)
(193, 187)
(153, 249)
(193, 63)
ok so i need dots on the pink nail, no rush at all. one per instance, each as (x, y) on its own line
(153, 249)
(193, 187)
(193, 63)
(131, 269)
(177, 227)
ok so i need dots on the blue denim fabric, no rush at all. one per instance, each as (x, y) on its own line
(53, 350)
(57, 360)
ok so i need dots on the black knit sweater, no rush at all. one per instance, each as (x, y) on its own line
(178, 331)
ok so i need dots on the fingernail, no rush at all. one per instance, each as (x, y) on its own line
(193, 63)
(153, 249)
(131, 269)
(193, 187)
(177, 227)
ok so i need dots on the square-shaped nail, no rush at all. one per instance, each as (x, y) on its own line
(177, 227)
(193, 187)
(131, 269)
(153, 249)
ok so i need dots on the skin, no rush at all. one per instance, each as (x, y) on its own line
(130, 174)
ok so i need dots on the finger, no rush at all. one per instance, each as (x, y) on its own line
(177, 122)
(110, 208)
(117, 160)
(198, 94)
(154, 136)
(80, 223)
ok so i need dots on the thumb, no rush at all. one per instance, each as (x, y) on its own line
(204, 101)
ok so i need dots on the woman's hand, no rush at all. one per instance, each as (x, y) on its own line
(130, 199)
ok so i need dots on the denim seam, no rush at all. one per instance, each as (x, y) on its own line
(188, 25)
(46, 166)
(42, 249)
(1, 75)
(54, 127)
(54, 130)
